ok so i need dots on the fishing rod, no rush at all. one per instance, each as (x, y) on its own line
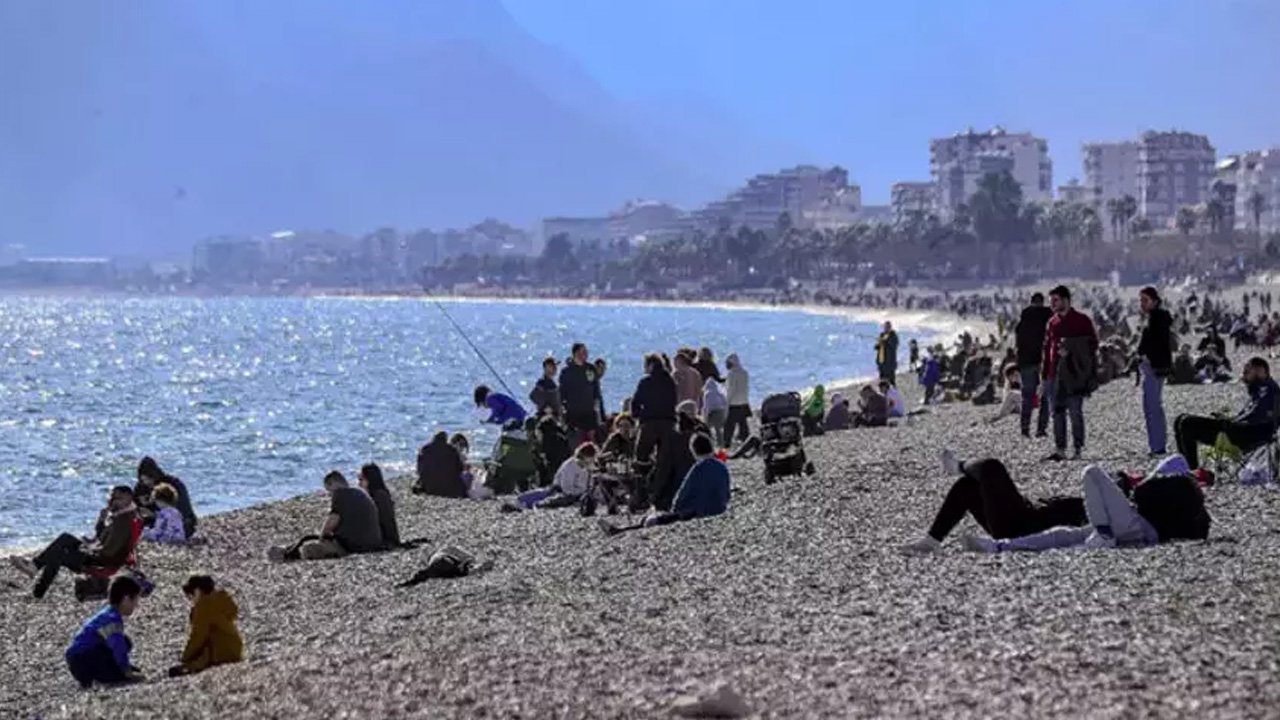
(479, 354)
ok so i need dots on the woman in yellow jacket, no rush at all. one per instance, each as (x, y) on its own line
(214, 638)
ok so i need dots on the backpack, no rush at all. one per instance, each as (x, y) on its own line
(1174, 505)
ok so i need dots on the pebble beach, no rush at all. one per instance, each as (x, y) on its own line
(796, 599)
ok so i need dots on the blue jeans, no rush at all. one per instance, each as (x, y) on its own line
(1030, 385)
(1073, 405)
(1153, 408)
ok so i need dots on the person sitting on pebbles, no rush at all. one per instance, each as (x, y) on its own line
(704, 492)
(572, 481)
(873, 408)
(350, 527)
(214, 638)
(150, 476)
(838, 417)
(168, 528)
(440, 469)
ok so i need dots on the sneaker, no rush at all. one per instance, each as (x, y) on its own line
(950, 463)
(1056, 457)
(23, 565)
(979, 543)
(1076, 453)
(924, 546)
(275, 554)
(1026, 433)
(1042, 434)
(1098, 541)
(1157, 454)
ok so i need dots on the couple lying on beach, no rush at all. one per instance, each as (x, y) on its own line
(1164, 506)
(99, 652)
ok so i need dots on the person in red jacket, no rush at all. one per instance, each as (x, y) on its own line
(1067, 377)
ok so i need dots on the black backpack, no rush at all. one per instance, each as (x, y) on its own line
(1174, 505)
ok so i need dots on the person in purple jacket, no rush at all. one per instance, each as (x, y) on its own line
(503, 409)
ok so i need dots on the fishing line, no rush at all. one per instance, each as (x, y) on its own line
(479, 354)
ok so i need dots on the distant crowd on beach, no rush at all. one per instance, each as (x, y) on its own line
(660, 455)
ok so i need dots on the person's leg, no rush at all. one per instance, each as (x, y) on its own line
(1053, 538)
(1153, 408)
(322, 550)
(1190, 431)
(95, 665)
(71, 558)
(1005, 512)
(1046, 406)
(557, 501)
(1060, 424)
(1109, 511)
(56, 549)
(1030, 379)
(1248, 437)
(1075, 409)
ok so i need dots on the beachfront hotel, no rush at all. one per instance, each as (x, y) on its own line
(958, 162)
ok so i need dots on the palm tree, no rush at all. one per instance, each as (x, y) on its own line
(1257, 204)
(1186, 220)
(1113, 217)
(1216, 213)
(1128, 211)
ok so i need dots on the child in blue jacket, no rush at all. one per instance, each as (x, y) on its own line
(100, 650)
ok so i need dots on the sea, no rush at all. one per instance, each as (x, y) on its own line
(255, 399)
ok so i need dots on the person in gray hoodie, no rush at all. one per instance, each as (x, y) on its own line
(737, 384)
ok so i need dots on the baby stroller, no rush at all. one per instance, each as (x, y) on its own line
(781, 437)
(609, 487)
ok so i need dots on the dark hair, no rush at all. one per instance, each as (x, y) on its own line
(482, 392)
(334, 477)
(122, 490)
(165, 492)
(701, 444)
(123, 587)
(372, 475)
(1151, 293)
(653, 363)
(573, 351)
(1259, 364)
(549, 361)
(1037, 298)
(203, 583)
(149, 468)
(600, 361)
(1062, 292)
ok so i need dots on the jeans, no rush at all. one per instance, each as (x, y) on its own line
(1153, 408)
(1030, 385)
(716, 423)
(1046, 406)
(1072, 405)
(1109, 512)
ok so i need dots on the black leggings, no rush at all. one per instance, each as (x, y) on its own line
(986, 492)
(1190, 431)
(735, 427)
(67, 551)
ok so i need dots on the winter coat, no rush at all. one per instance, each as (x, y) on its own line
(214, 638)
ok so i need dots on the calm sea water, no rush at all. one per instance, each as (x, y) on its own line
(255, 399)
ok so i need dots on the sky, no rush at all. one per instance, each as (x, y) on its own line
(866, 84)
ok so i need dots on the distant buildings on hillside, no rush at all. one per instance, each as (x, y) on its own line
(958, 162)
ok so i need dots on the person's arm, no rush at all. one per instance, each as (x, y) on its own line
(200, 631)
(495, 405)
(330, 525)
(684, 500)
(113, 636)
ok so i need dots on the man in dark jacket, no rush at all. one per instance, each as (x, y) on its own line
(1069, 368)
(1155, 350)
(1250, 429)
(887, 354)
(654, 406)
(117, 535)
(1029, 338)
(545, 395)
(440, 469)
(580, 396)
(150, 476)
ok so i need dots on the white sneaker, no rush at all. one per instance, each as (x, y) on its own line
(23, 565)
(924, 546)
(1098, 541)
(979, 543)
(950, 463)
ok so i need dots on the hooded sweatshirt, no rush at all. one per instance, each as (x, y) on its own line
(737, 383)
(214, 638)
(713, 398)
(816, 403)
(440, 469)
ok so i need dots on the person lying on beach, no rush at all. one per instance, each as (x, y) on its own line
(1167, 506)
(118, 531)
(838, 417)
(350, 527)
(503, 409)
(985, 491)
(703, 493)
(150, 476)
(168, 528)
(440, 469)
(1250, 429)
(214, 638)
(99, 652)
(372, 482)
(572, 480)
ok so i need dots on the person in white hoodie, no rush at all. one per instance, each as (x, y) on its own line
(572, 481)
(897, 404)
(739, 398)
(715, 410)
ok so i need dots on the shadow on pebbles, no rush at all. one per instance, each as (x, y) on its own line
(795, 604)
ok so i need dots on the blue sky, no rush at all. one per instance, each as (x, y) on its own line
(866, 84)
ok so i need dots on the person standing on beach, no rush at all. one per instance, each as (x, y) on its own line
(706, 365)
(887, 354)
(654, 406)
(688, 381)
(1155, 351)
(737, 390)
(1070, 368)
(580, 396)
(1029, 339)
(545, 395)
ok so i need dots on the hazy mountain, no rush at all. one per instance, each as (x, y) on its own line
(141, 126)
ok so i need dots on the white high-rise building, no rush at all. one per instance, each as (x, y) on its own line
(1111, 170)
(1256, 176)
(1174, 171)
(953, 161)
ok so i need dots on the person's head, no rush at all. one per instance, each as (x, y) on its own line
(460, 443)
(687, 408)
(579, 353)
(731, 361)
(549, 367)
(586, 453)
(481, 394)
(884, 387)
(701, 447)
(198, 586)
(706, 354)
(334, 481)
(1148, 299)
(653, 363)
(1037, 299)
(601, 366)
(868, 391)
(120, 498)
(164, 494)
(1256, 369)
(123, 594)
(1011, 375)
(624, 424)
(1060, 299)
(888, 326)
(682, 360)
(371, 478)
(149, 471)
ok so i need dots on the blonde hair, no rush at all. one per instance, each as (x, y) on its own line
(165, 493)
